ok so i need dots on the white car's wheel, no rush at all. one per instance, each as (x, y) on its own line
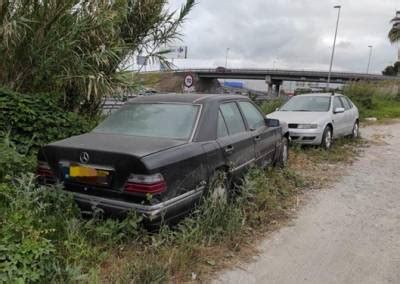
(327, 138)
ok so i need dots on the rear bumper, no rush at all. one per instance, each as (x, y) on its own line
(158, 212)
(306, 136)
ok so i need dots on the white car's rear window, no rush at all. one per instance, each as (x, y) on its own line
(308, 103)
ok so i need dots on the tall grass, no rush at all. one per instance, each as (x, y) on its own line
(43, 237)
(380, 100)
(271, 105)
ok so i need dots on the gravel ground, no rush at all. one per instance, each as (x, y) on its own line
(348, 233)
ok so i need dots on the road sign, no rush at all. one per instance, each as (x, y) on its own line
(189, 80)
(175, 52)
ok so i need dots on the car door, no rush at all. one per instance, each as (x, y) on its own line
(353, 111)
(236, 143)
(348, 115)
(339, 119)
(264, 138)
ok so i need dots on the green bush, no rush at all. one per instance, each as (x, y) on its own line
(380, 100)
(44, 239)
(36, 119)
(361, 94)
(12, 163)
(271, 105)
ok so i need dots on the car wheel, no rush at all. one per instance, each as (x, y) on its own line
(218, 188)
(284, 153)
(327, 138)
(356, 130)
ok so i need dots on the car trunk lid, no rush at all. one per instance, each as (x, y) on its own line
(110, 158)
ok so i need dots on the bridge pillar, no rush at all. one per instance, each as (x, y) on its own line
(274, 88)
(270, 89)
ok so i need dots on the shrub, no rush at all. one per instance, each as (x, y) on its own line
(271, 105)
(361, 94)
(33, 120)
(44, 239)
(380, 100)
(12, 163)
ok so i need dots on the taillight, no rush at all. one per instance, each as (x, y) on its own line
(151, 184)
(44, 173)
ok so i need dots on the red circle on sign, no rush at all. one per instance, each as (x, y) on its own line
(189, 80)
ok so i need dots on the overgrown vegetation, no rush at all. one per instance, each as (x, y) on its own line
(43, 237)
(380, 100)
(37, 119)
(271, 105)
(80, 49)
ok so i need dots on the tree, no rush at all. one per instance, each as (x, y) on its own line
(389, 71)
(394, 33)
(392, 70)
(78, 47)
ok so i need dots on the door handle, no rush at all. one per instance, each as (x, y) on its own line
(257, 138)
(229, 149)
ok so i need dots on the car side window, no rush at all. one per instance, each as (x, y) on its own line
(345, 103)
(233, 118)
(253, 117)
(349, 102)
(222, 131)
(337, 103)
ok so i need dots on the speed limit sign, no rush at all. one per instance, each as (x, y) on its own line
(189, 80)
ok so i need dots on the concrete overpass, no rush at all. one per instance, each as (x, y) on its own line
(285, 75)
(275, 77)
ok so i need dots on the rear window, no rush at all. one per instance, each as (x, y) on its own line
(175, 121)
(308, 103)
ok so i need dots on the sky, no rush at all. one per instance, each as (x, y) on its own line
(288, 34)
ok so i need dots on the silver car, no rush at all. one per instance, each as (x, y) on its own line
(317, 119)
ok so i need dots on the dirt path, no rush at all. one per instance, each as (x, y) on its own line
(349, 233)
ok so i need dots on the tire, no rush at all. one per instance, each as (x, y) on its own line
(327, 139)
(356, 130)
(283, 158)
(218, 189)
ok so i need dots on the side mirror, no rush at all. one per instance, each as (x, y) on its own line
(270, 122)
(277, 109)
(339, 110)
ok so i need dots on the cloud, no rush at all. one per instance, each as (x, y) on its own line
(292, 33)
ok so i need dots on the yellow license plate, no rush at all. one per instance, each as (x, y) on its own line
(79, 171)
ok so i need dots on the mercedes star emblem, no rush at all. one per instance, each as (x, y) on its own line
(84, 157)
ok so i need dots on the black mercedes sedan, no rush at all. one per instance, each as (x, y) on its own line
(157, 154)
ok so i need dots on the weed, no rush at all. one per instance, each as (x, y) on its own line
(271, 105)
(343, 150)
(380, 100)
(44, 239)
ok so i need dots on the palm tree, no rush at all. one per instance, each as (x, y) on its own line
(394, 33)
(79, 48)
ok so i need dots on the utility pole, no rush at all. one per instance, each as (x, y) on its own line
(369, 58)
(334, 45)
(226, 58)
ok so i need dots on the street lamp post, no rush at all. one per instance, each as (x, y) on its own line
(334, 45)
(369, 58)
(226, 58)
